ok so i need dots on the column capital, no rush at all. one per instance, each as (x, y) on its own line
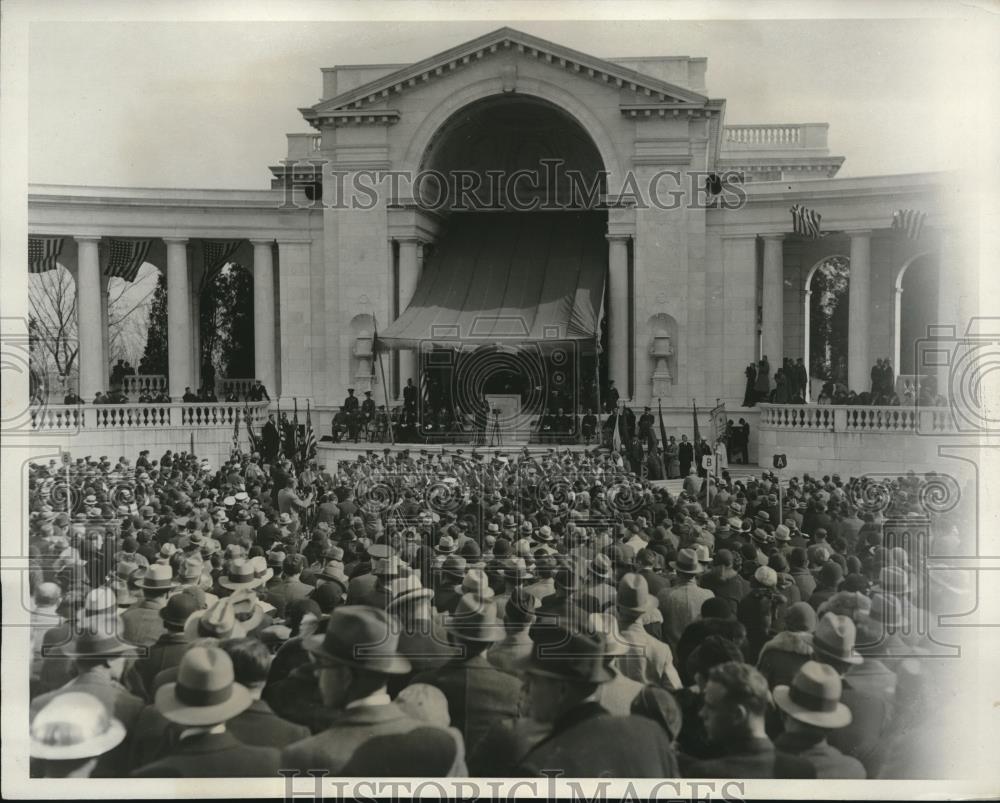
(617, 236)
(859, 232)
(175, 240)
(408, 239)
(772, 236)
(87, 238)
(261, 241)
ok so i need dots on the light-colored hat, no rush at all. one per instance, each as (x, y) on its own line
(476, 582)
(241, 575)
(766, 576)
(814, 697)
(74, 725)
(158, 577)
(206, 692)
(218, 622)
(687, 562)
(835, 636)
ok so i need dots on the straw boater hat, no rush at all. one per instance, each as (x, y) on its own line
(206, 692)
(74, 725)
(814, 697)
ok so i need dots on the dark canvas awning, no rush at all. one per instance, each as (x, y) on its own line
(504, 277)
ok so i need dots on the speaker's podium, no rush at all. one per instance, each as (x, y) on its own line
(513, 429)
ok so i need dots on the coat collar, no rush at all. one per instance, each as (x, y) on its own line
(208, 743)
(368, 715)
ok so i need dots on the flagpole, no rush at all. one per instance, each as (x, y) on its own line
(385, 387)
(597, 381)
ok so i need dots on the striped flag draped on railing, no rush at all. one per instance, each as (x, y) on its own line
(43, 253)
(908, 221)
(216, 255)
(805, 222)
(125, 257)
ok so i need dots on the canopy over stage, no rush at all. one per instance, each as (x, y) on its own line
(508, 278)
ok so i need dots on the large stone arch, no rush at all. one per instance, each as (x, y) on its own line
(534, 87)
(897, 290)
(807, 312)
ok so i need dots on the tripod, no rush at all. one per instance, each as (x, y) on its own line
(496, 436)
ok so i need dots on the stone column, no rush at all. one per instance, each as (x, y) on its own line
(105, 333)
(263, 314)
(772, 343)
(859, 361)
(409, 274)
(618, 311)
(88, 300)
(195, 336)
(178, 316)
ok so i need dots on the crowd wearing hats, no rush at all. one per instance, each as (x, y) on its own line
(490, 614)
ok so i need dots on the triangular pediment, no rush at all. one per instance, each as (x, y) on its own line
(362, 98)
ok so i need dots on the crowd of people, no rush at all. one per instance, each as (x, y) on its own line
(484, 614)
(790, 383)
(525, 628)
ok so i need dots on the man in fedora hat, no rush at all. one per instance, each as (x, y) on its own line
(478, 693)
(290, 588)
(568, 664)
(811, 710)
(70, 734)
(354, 661)
(735, 701)
(648, 660)
(681, 604)
(863, 738)
(422, 637)
(142, 621)
(171, 645)
(201, 701)
(258, 725)
(99, 658)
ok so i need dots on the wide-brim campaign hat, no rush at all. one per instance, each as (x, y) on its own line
(74, 725)
(360, 636)
(205, 692)
(814, 697)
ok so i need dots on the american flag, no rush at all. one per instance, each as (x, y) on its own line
(805, 221)
(908, 221)
(43, 253)
(236, 432)
(216, 255)
(309, 444)
(295, 428)
(125, 257)
(250, 433)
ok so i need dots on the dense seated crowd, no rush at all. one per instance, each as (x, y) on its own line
(490, 614)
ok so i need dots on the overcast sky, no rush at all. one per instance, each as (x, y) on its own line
(208, 104)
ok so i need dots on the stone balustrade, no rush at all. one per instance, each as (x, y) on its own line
(856, 418)
(790, 136)
(134, 384)
(239, 385)
(71, 418)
